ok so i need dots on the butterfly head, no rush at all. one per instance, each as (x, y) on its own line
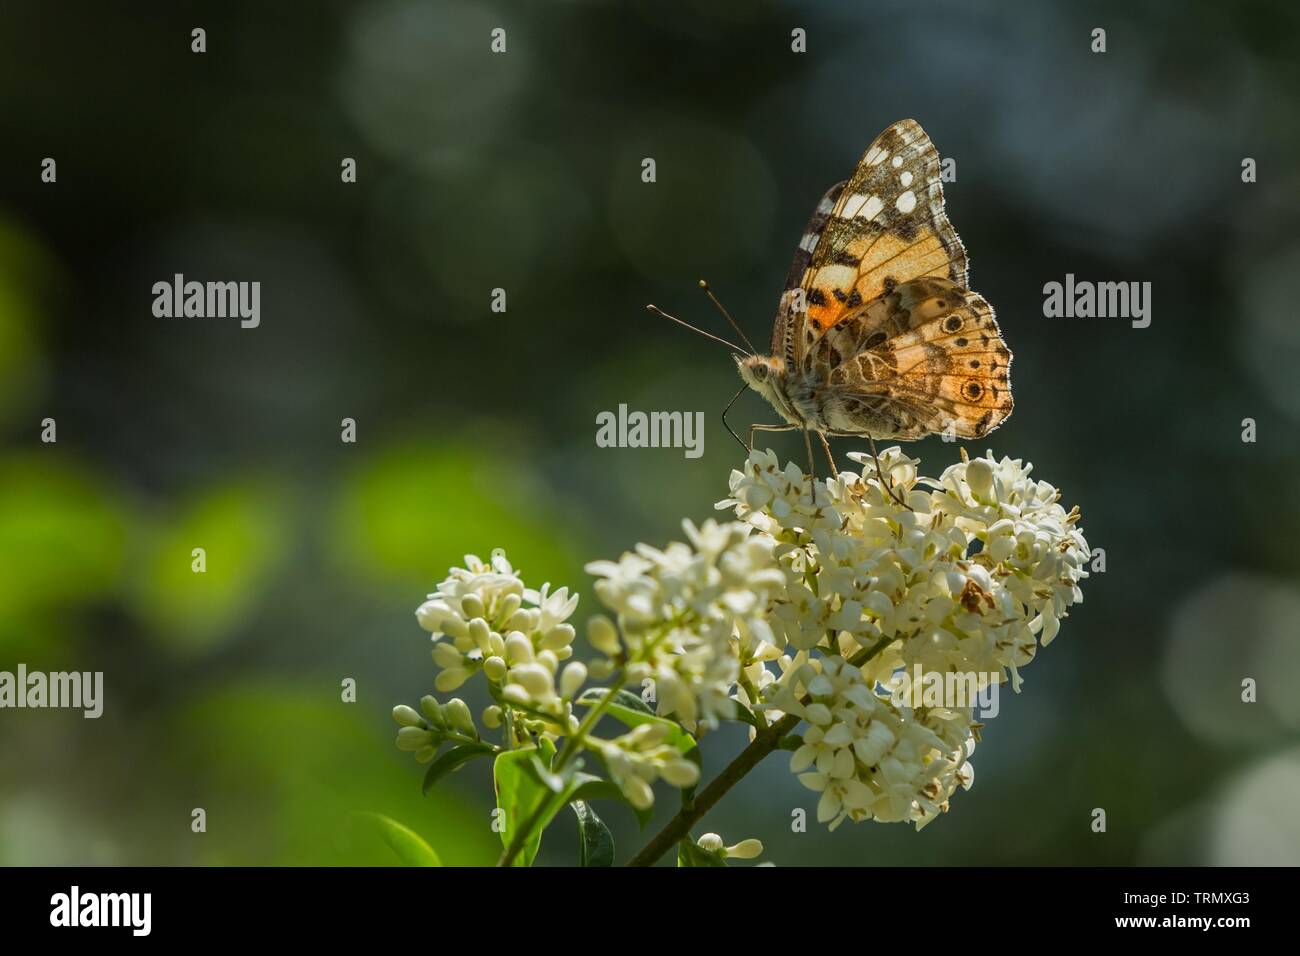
(769, 377)
(761, 372)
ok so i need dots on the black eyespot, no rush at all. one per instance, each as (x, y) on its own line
(971, 391)
(952, 323)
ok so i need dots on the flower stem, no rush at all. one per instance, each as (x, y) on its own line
(572, 745)
(764, 742)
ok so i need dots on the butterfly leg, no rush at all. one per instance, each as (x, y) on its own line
(807, 441)
(835, 472)
(727, 425)
(884, 482)
(765, 428)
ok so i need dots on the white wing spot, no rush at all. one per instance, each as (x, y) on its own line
(905, 178)
(837, 277)
(809, 242)
(859, 205)
(906, 202)
(875, 156)
(897, 161)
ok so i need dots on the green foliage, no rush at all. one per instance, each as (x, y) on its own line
(690, 854)
(595, 842)
(452, 760)
(409, 848)
(520, 798)
(241, 527)
(392, 528)
(62, 541)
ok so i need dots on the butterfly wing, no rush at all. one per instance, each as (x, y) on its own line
(925, 358)
(885, 226)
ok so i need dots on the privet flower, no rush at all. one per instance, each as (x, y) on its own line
(969, 575)
(744, 850)
(641, 756)
(516, 636)
(868, 758)
(682, 610)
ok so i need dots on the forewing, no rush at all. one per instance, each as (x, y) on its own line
(887, 227)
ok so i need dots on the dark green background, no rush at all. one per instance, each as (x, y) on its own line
(522, 171)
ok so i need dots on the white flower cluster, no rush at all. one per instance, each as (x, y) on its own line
(966, 576)
(516, 636)
(809, 606)
(682, 612)
(641, 756)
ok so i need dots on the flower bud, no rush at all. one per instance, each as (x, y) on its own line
(432, 709)
(561, 635)
(459, 717)
(471, 606)
(407, 716)
(602, 635)
(979, 475)
(519, 649)
(638, 793)
(681, 773)
(572, 678)
(709, 843)
(480, 632)
(495, 669)
(535, 679)
(413, 738)
(492, 717)
(509, 604)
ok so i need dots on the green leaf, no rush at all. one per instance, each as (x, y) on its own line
(407, 844)
(451, 761)
(745, 715)
(624, 699)
(520, 795)
(689, 854)
(598, 788)
(595, 842)
(621, 709)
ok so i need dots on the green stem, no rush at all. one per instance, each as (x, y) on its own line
(764, 742)
(572, 744)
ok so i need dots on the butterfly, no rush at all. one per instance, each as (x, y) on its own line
(877, 333)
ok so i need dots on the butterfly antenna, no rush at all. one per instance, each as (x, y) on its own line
(708, 335)
(727, 315)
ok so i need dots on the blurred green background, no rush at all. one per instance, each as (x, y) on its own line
(476, 429)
